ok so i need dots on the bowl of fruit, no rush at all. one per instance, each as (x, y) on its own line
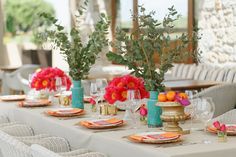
(172, 104)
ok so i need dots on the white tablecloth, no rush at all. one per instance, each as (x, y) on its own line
(113, 143)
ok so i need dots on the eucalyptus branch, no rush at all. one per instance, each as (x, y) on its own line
(152, 40)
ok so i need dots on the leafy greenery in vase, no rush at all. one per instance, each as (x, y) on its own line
(80, 56)
(152, 37)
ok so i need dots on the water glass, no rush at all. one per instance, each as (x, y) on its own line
(101, 85)
(205, 112)
(134, 98)
(94, 93)
(191, 93)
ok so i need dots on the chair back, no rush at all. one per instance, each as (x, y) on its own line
(11, 147)
(222, 95)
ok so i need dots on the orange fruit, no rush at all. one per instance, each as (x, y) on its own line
(162, 97)
(170, 95)
(183, 95)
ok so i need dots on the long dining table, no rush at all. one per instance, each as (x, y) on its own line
(113, 142)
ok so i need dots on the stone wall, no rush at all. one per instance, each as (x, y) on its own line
(217, 21)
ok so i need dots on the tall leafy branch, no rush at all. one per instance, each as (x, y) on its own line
(152, 37)
(80, 56)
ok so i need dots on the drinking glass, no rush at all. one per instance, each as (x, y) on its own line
(134, 98)
(101, 85)
(31, 93)
(191, 110)
(205, 112)
(94, 93)
(191, 93)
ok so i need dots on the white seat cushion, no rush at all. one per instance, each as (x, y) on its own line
(221, 74)
(191, 71)
(180, 70)
(230, 76)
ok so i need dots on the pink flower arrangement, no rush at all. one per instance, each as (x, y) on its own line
(118, 87)
(219, 127)
(46, 79)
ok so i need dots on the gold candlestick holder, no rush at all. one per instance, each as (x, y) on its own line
(172, 113)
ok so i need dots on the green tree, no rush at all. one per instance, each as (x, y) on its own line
(22, 15)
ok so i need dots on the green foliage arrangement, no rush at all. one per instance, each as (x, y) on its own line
(80, 56)
(22, 15)
(152, 37)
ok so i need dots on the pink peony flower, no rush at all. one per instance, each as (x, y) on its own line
(216, 124)
(92, 101)
(223, 128)
(143, 111)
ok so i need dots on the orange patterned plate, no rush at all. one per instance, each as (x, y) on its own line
(102, 123)
(35, 103)
(13, 97)
(65, 112)
(155, 137)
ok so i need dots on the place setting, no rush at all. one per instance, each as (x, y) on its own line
(12, 97)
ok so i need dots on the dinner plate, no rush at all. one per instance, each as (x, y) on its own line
(230, 129)
(155, 137)
(65, 112)
(13, 97)
(34, 103)
(102, 123)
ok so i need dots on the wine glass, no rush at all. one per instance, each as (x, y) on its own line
(101, 85)
(134, 98)
(191, 110)
(205, 112)
(191, 93)
(31, 93)
(94, 93)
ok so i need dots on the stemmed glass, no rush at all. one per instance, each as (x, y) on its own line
(134, 98)
(94, 93)
(61, 87)
(205, 112)
(101, 85)
(191, 93)
(31, 93)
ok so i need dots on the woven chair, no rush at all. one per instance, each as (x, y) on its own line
(4, 119)
(226, 118)
(18, 130)
(39, 151)
(9, 124)
(11, 147)
(222, 95)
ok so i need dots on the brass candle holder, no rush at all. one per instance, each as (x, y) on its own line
(172, 113)
(106, 109)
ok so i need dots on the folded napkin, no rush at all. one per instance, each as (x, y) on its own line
(42, 102)
(167, 135)
(107, 122)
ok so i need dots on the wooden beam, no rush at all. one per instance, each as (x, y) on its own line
(190, 26)
(113, 21)
(135, 13)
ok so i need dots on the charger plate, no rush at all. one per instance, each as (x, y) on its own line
(65, 112)
(102, 123)
(13, 97)
(155, 137)
(34, 103)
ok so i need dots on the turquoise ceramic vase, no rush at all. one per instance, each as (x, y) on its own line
(154, 112)
(77, 95)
